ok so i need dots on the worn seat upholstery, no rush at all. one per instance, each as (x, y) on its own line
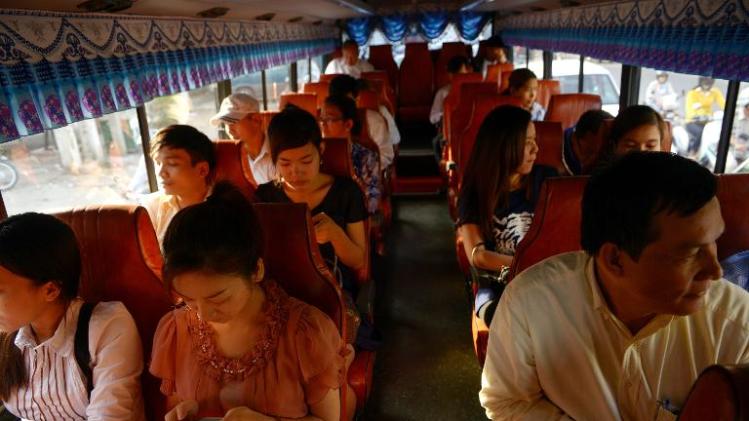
(121, 261)
(290, 237)
(567, 108)
(307, 102)
(232, 165)
(719, 394)
(415, 84)
(547, 88)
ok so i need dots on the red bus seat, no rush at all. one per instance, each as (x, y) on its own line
(719, 394)
(380, 87)
(547, 88)
(386, 88)
(290, 237)
(307, 102)
(549, 137)
(318, 88)
(328, 77)
(460, 116)
(733, 194)
(567, 108)
(369, 100)
(121, 261)
(497, 73)
(232, 165)
(415, 84)
(453, 97)
(448, 51)
(381, 58)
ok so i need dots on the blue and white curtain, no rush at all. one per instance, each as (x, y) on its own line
(704, 37)
(58, 68)
(429, 25)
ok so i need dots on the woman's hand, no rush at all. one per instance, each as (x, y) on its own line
(184, 410)
(243, 413)
(325, 228)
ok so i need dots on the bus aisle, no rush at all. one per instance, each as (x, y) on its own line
(426, 368)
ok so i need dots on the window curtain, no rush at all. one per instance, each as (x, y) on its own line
(59, 68)
(430, 25)
(704, 37)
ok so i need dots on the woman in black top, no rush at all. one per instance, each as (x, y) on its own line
(499, 193)
(336, 203)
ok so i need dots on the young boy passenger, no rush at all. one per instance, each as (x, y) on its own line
(623, 329)
(186, 161)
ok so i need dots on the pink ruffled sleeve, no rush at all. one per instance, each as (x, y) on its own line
(163, 355)
(321, 354)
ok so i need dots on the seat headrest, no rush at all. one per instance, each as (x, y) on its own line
(305, 101)
(318, 88)
(368, 99)
(547, 88)
(494, 72)
(336, 157)
(567, 108)
(733, 195)
(549, 137)
(232, 165)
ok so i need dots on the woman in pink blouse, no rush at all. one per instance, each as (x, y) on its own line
(61, 359)
(240, 348)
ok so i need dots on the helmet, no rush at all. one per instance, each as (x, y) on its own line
(659, 73)
(705, 80)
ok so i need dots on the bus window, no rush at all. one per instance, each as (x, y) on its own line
(694, 106)
(276, 83)
(303, 72)
(601, 77)
(194, 107)
(565, 68)
(88, 162)
(249, 84)
(317, 68)
(740, 132)
(519, 57)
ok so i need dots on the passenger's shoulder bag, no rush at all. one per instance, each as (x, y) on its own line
(80, 345)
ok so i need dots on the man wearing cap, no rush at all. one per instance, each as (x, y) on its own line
(240, 115)
(350, 64)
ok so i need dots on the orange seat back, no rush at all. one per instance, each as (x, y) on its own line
(381, 88)
(369, 100)
(494, 72)
(307, 102)
(448, 51)
(416, 79)
(121, 261)
(549, 137)
(567, 108)
(719, 394)
(381, 58)
(556, 223)
(504, 82)
(318, 88)
(232, 165)
(328, 77)
(547, 88)
(460, 117)
(733, 194)
(453, 97)
(387, 88)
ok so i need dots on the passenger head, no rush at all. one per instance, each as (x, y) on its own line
(458, 64)
(524, 85)
(637, 128)
(505, 147)
(339, 117)
(588, 136)
(495, 50)
(344, 85)
(239, 113)
(212, 255)
(295, 146)
(662, 77)
(185, 157)
(653, 237)
(350, 51)
(705, 83)
(40, 268)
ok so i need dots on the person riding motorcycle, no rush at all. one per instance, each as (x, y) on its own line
(660, 95)
(699, 109)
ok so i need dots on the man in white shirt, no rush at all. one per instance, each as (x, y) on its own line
(350, 63)
(622, 330)
(240, 115)
(456, 64)
(377, 124)
(186, 161)
(494, 53)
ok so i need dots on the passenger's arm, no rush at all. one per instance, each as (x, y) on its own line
(348, 245)
(117, 360)
(378, 131)
(482, 258)
(510, 387)
(435, 115)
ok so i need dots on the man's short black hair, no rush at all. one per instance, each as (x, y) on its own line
(193, 141)
(350, 43)
(343, 85)
(591, 121)
(622, 200)
(456, 62)
(495, 42)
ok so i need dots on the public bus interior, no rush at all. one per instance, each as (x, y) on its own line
(417, 291)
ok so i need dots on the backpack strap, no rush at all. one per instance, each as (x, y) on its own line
(82, 353)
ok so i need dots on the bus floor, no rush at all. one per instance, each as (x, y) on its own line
(426, 368)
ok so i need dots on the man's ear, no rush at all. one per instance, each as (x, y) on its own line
(260, 272)
(349, 124)
(203, 169)
(51, 291)
(610, 259)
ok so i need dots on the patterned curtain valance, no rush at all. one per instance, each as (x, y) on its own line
(430, 24)
(705, 37)
(57, 68)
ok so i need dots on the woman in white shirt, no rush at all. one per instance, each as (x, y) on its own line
(49, 372)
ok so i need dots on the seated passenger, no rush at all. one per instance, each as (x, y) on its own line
(494, 54)
(239, 113)
(457, 64)
(393, 132)
(240, 348)
(350, 63)
(583, 143)
(622, 329)
(524, 85)
(498, 197)
(90, 354)
(340, 119)
(378, 128)
(637, 128)
(336, 203)
(736, 269)
(186, 160)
